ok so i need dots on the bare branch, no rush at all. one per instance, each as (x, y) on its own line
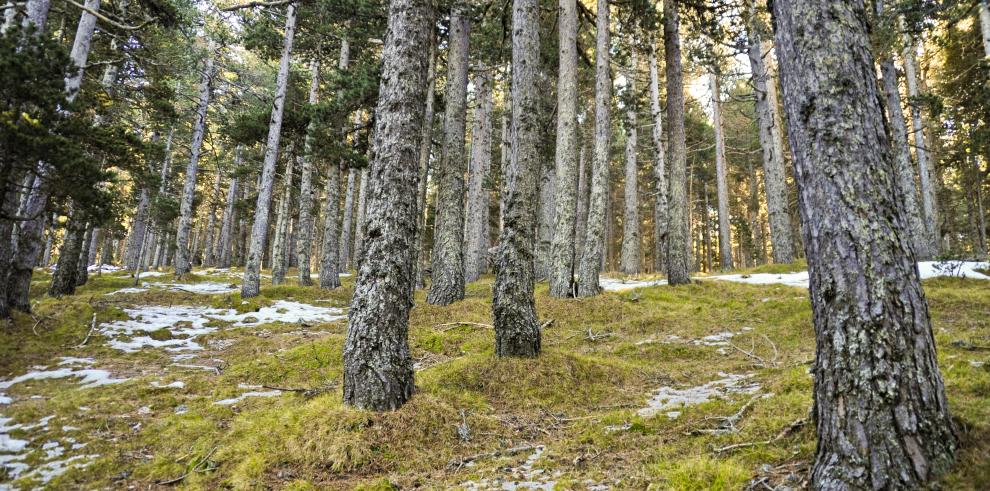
(276, 3)
(110, 21)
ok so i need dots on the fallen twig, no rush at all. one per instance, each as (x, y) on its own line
(307, 393)
(783, 433)
(190, 471)
(728, 424)
(451, 325)
(457, 464)
(92, 327)
(595, 337)
(758, 359)
(546, 324)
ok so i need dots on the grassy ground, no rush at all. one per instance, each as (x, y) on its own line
(474, 416)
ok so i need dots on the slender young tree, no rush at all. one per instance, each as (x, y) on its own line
(929, 207)
(562, 246)
(678, 231)
(347, 223)
(378, 372)
(517, 329)
(304, 241)
(362, 204)
(481, 156)
(280, 243)
(209, 249)
(425, 151)
(721, 179)
(182, 259)
(251, 285)
(882, 417)
(448, 235)
(660, 222)
(227, 223)
(330, 260)
(594, 242)
(629, 261)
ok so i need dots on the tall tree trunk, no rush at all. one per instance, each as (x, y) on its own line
(82, 269)
(139, 224)
(481, 157)
(721, 180)
(984, 26)
(882, 416)
(229, 211)
(94, 246)
(659, 167)
(517, 329)
(359, 220)
(282, 217)
(425, 151)
(581, 220)
(630, 255)
(347, 223)
(448, 235)
(563, 243)
(678, 231)
(182, 255)
(209, 249)
(929, 207)
(330, 255)
(304, 239)
(67, 267)
(544, 227)
(378, 372)
(594, 242)
(505, 151)
(259, 229)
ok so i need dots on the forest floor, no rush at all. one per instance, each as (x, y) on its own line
(704, 386)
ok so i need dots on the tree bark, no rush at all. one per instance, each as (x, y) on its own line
(359, 220)
(929, 207)
(448, 235)
(659, 168)
(378, 372)
(182, 258)
(630, 255)
(594, 242)
(678, 231)
(251, 286)
(304, 239)
(209, 249)
(517, 329)
(347, 224)
(581, 221)
(984, 26)
(280, 244)
(882, 416)
(227, 222)
(82, 269)
(425, 151)
(330, 260)
(721, 180)
(481, 157)
(67, 267)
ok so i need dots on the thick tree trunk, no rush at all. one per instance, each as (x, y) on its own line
(448, 235)
(280, 244)
(517, 329)
(929, 206)
(359, 220)
(721, 180)
(594, 242)
(182, 253)
(505, 150)
(475, 225)
(659, 168)
(678, 231)
(304, 239)
(563, 242)
(67, 267)
(259, 229)
(630, 255)
(882, 416)
(378, 372)
(425, 151)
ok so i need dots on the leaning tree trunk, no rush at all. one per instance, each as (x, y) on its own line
(378, 372)
(281, 241)
(330, 254)
(659, 168)
(772, 143)
(517, 329)
(448, 234)
(362, 204)
(182, 260)
(304, 239)
(630, 263)
(560, 271)
(594, 242)
(678, 231)
(251, 286)
(928, 204)
(721, 180)
(475, 225)
(425, 150)
(882, 416)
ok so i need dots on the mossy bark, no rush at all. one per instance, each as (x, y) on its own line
(678, 231)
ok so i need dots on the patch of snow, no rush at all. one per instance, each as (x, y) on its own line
(669, 399)
(524, 477)
(242, 397)
(91, 377)
(799, 279)
(178, 384)
(204, 288)
(50, 470)
(616, 285)
(11, 445)
(976, 364)
(71, 360)
(103, 268)
(5, 399)
(720, 339)
(927, 269)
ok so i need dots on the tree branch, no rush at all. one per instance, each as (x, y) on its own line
(110, 21)
(256, 3)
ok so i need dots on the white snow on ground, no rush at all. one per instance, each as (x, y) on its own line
(617, 285)
(669, 399)
(5, 399)
(242, 397)
(91, 377)
(185, 323)
(799, 279)
(50, 458)
(103, 268)
(519, 478)
(178, 384)
(204, 288)
(153, 274)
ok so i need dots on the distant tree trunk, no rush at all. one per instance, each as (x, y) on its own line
(304, 239)
(136, 237)
(359, 220)
(594, 242)
(581, 221)
(347, 223)
(544, 226)
(378, 372)
(94, 246)
(448, 235)
(37, 14)
(182, 254)
(984, 26)
(659, 167)
(630, 260)
(209, 250)
(517, 329)
(678, 232)
(758, 254)
(259, 230)
(229, 211)
(281, 240)
(882, 416)
(505, 152)
(481, 157)
(721, 180)
(928, 205)
(82, 269)
(330, 255)
(425, 150)
(67, 267)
